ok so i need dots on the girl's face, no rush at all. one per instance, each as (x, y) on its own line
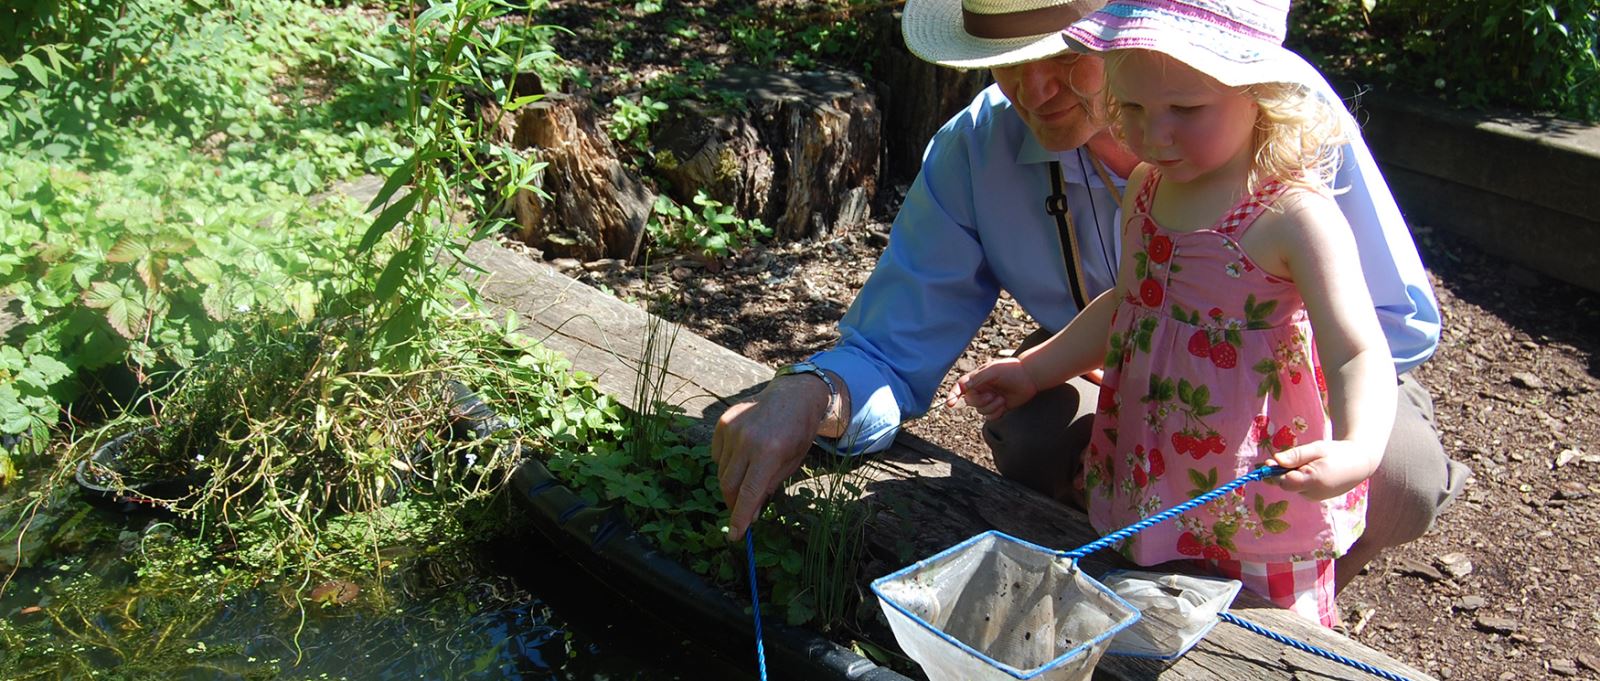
(1057, 98)
(1182, 121)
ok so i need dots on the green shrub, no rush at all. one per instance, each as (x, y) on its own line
(1538, 55)
(714, 231)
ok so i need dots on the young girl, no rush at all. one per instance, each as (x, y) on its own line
(1233, 252)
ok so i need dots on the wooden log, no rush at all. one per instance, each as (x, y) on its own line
(925, 498)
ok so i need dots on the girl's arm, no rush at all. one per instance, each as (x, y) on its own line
(1317, 249)
(1077, 349)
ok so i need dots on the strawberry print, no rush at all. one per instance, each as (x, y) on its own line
(1160, 249)
(1224, 355)
(1182, 410)
(1199, 344)
(1188, 545)
(1108, 398)
(1283, 439)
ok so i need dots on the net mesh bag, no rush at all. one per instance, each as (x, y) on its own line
(996, 607)
(1177, 611)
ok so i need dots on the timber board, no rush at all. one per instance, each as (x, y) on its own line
(914, 484)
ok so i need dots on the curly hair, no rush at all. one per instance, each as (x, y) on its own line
(1298, 137)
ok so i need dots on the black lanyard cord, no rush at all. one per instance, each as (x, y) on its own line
(1056, 205)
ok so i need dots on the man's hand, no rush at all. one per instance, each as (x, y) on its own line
(757, 445)
(1326, 468)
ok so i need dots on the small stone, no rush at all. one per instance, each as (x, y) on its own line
(1567, 456)
(1407, 566)
(1523, 379)
(1470, 603)
(681, 273)
(1457, 565)
(1564, 667)
(567, 265)
(1571, 489)
(1498, 625)
(1589, 662)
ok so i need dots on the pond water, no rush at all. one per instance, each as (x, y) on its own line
(510, 610)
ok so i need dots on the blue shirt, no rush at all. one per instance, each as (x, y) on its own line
(974, 223)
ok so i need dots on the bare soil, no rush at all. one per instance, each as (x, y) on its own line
(1503, 587)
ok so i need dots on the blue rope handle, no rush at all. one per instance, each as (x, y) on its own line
(755, 600)
(1261, 473)
(1306, 647)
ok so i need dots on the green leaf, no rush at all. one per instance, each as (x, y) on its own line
(393, 274)
(204, 270)
(1275, 525)
(124, 307)
(1275, 509)
(44, 371)
(520, 102)
(386, 221)
(432, 14)
(373, 60)
(35, 68)
(399, 177)
(302, 300)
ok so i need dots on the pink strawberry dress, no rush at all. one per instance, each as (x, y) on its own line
(1211, 370)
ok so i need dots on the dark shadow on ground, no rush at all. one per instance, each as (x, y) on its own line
(1543, 308)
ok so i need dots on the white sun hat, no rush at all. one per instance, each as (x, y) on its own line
(981, 34)
(1237, 42)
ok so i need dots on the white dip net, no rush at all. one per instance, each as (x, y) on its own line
(997, 607)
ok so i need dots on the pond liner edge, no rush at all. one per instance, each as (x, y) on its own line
(603, 543)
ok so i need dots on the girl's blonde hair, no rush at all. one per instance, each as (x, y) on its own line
(1298, 137)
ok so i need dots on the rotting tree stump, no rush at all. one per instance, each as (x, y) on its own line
(597, 205)
(800, 151)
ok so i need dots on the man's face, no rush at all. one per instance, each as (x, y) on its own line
(1057, 97)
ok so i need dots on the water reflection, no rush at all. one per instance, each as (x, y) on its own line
(496, 614)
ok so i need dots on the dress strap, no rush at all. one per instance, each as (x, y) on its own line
(1147, 191)
(1245, 213)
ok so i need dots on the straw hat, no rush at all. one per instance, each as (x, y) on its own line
(981, 34)
(1237, 42)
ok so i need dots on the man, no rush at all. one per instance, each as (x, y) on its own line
(1021, 192)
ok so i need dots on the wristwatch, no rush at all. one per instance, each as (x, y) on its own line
(814, 370)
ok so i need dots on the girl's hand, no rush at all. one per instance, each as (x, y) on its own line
(1326, 468)
(994, 388)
